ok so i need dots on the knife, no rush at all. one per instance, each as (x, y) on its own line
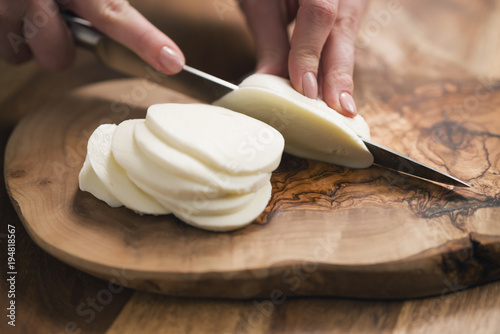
(208, 88)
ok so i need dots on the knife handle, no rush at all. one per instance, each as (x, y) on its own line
(189, 81)
(83, 33)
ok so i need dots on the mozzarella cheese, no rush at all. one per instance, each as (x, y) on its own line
(184, 165)
(89, 181)
(238, 144)
(311, 129)
(112, 178)
(209, 166)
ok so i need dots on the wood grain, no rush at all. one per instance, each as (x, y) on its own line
(328, 230)
(452, 39)
(454, 312)
(48, 291)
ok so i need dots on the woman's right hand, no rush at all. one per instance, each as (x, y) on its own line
(35, 29)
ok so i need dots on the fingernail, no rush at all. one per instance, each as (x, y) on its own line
(347, 103)
(170, 60)
(310, 85)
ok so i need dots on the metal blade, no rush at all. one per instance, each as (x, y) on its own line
(203, 81)
(208, 88)
(388, 158)
(190, 81)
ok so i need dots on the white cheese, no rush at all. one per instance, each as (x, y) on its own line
(209, 166)
(199, 204)
(311, 129)
(128, 155)
(231, 221)
(113, 177)
(228, 141)
(189, 167)
(88, 181)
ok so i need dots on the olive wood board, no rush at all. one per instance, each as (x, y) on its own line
(327, 230)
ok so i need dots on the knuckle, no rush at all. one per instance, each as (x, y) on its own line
(307, 55)
(144, 39)
(111, 10)
(347, 24)
(323, 10)
(341, 79)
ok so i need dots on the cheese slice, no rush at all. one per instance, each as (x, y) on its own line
(231, 221)
(187, 166)
(154, 176)
(311, 129)
(213, 173)
(113, 177)
(88, 181)
(221, 138)
(199, 204)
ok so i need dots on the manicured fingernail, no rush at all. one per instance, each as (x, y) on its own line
(347, 103)
(310, 85)
(170, 60)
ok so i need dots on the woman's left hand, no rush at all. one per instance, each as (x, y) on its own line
(319, 56)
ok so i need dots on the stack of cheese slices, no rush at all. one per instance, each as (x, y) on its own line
(211, 166)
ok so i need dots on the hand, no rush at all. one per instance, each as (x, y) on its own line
(319, 56)
(34, 28)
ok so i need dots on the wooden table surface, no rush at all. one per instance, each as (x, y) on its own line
(460, 36)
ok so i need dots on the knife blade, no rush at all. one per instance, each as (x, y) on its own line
(189, 81)
(208, 88)
(388, 158)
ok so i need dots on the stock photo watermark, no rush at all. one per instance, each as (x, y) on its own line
(483, 90)
(11, 274)
(31, 26)
(377, 21)
(248, 150)
(291, 280)
(120, 109)
(426, 314)
(89, 309)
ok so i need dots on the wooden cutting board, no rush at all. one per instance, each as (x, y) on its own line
(328, 230)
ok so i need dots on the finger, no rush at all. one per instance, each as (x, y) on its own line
(337, 62)
(267, 22)
(123, 23)
(13, 46)
(315, 19)
(48, 36)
